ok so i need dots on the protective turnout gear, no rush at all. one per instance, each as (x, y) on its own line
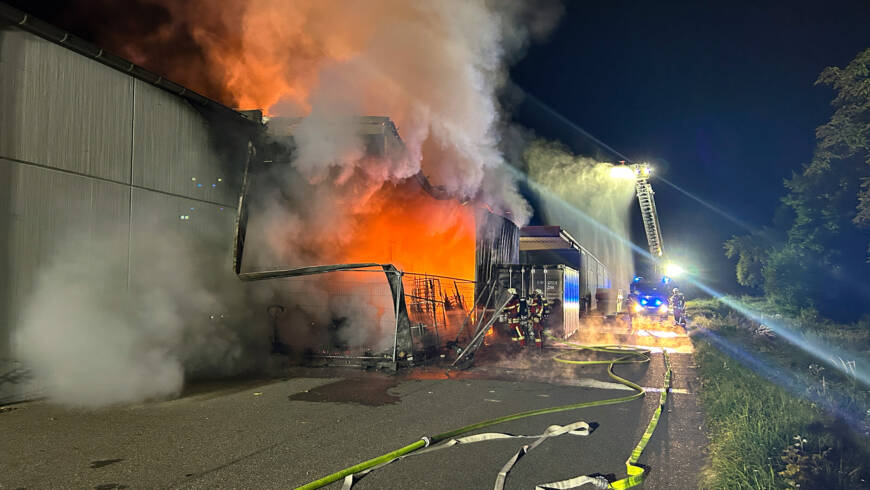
(523, 321)
(546, 310)
(538, 310)
(678, 303)
(511, 314)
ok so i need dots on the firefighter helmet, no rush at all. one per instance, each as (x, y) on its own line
(512, 291)
(676, 291)
(539, 292)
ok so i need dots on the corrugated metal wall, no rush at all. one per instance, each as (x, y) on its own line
(85, 149)
(497, 243)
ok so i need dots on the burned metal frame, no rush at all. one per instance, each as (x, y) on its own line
(402, 335)
(476, 341)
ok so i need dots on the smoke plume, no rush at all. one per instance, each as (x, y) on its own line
(91, 340)
(567, 184)
(434, 67)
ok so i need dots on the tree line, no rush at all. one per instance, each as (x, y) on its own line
(815, 255)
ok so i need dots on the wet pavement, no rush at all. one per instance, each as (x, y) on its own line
(287, 432)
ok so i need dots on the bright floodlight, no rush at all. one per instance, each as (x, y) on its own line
(673, 270)
(621, 172)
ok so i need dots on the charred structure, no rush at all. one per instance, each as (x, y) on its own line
(176, 188)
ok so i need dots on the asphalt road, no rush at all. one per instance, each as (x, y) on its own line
(285, 432)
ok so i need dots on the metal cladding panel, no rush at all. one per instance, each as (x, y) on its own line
(571, 303)
(497, 243)
(603, 276)
(196, 233)
(62, 110)
(175, 149)
(42, 211)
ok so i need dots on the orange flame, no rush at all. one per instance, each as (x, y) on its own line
(271, 55)
(405, 226)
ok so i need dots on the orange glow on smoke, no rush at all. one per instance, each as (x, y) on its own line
(257, 54)
(272, 55)
(405, 226)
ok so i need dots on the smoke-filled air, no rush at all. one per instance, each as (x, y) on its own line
(581, 195)
(434, 68)
(91, 340)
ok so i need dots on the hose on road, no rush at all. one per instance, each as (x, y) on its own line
(626, 355)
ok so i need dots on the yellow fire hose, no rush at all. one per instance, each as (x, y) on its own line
(636, 474)
(626, 355)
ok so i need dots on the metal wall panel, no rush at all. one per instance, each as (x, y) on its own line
(69, 123)
(174, 149)
(41, 211)
(46, 209)
(201, 232)
(63, 110)
(497, 242)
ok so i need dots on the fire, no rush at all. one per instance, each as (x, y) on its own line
(405, 226)
(432, 67)
(264, 54)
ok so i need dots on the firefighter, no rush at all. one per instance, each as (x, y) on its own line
(548, 308)
(678, 303)
(511, 313)
(523, 329)
(538, 310)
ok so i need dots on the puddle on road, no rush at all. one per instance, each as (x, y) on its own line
(105, 462)
(369, 390)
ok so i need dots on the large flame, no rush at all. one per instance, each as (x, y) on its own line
(418, 233)
(433, 67)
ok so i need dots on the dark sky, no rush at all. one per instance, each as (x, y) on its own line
(720, 96)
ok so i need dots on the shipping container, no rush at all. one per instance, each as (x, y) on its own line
(543, 245)
(560, 285)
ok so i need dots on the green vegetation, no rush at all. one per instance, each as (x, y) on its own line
(764, 435)
(817, 246)
(779, 418)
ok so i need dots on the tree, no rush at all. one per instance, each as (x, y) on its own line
(822, 255)
(751, 252)
(846, 137)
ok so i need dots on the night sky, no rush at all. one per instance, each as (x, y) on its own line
(719, 97)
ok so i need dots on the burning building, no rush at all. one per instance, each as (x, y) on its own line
(130, 206)
(115, 178)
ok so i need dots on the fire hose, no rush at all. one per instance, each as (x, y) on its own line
(636, 474)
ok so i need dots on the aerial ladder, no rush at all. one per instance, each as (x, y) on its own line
(640, 172)
(648, 209)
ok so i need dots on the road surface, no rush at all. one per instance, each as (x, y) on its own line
(281, 433)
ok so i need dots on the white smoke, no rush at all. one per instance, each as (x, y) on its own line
(569, 184)
(434, 67)
(92, 340)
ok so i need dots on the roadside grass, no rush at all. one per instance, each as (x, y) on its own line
(776, 428)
